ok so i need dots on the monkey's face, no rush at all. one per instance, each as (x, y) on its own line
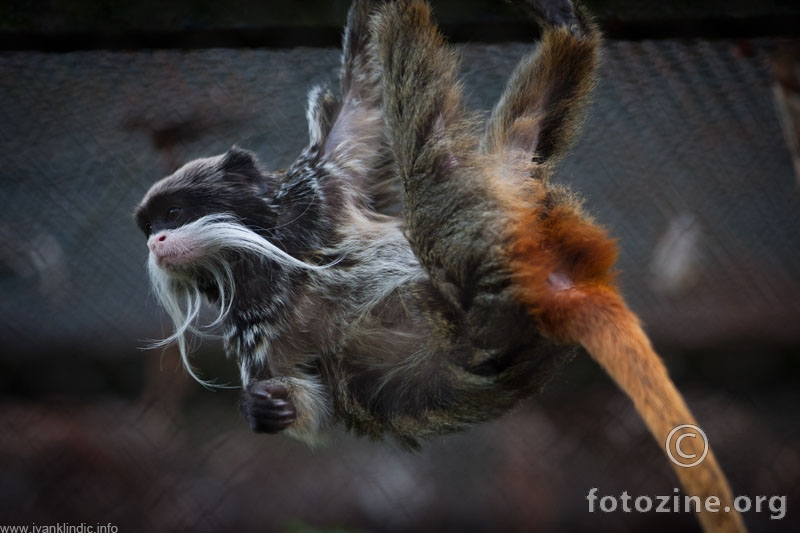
(164, 221)
(208, 228)
(180, 214)
(204, 226)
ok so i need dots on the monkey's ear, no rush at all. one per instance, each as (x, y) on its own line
(240, 163)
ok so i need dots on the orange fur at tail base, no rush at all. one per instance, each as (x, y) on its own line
(562, 268)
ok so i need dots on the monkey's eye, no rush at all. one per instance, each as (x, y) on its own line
(173, 214)
(148, 229)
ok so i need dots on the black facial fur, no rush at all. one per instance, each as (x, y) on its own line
(232, 184)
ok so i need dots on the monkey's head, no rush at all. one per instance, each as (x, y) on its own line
(180, 213)
(207, 225)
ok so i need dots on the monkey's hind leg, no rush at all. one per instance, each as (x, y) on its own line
(545, 100)
(450, 213)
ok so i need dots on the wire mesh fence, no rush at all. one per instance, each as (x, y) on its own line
(682, 158)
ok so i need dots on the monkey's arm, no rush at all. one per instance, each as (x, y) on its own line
(348, 132)
(359, 79)
(451, 213)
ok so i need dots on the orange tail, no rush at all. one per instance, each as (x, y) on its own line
(562, 268)
(611, 333)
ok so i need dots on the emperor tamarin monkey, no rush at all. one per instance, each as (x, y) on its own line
(412, 325)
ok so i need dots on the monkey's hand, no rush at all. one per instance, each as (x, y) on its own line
(266, 407)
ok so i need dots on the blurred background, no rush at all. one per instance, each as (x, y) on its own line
(689, 156)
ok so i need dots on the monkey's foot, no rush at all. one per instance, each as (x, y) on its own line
(267, 408)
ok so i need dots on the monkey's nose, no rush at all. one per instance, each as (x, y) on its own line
(156, 240)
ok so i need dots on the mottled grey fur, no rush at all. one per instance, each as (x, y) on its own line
(406, 325)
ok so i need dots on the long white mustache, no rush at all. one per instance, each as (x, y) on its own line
(176, 289)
